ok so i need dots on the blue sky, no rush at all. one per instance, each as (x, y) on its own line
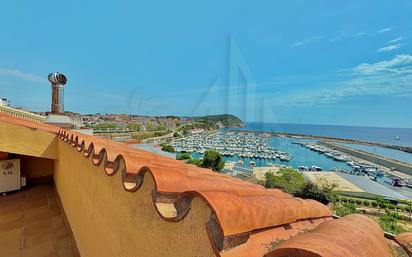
(320, 62)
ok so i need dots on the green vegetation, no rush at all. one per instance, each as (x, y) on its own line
(389, 223)
(213, 159)
(134, 127)
(184, 156)
(293, 182)
(289, 180)
(167, 148)
(146, 135)
(227, 120)
(345, 209)
(105, 126)
(394, 219)
(322, 192)
(196, 161)
(154, 127)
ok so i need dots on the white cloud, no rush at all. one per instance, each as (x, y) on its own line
(386, 78)
(401, 64)
(384, 30)
(389, 48)
(396, 40)
(359, 34)
(23, 75)
(307, 41)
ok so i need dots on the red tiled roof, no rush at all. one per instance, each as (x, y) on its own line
(352, 236)
(253, 206)
(246, 220)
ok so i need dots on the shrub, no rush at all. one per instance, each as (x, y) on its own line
(195, 161)
(400, 208)
(374, 204)
(366, 203)
(389, 223)
(384, 205)
(322, 193)
(345, 209)
(358, 202)
(213, 159)
(287, 179)
(351, 200)
(184, 156)
(167, 148)
(344, 199)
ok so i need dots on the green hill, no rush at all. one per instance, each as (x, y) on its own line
(227, 120)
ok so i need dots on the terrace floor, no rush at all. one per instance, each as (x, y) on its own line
(31, 224)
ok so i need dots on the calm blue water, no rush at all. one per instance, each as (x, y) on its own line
(371, 134)
(301, 156)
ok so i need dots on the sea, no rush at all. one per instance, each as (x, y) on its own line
(305, 157)
(392, 136)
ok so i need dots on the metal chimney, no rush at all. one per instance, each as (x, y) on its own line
(57, 81)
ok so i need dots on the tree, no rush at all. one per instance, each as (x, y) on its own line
(150, 127)
(213, 159)
(293, 182)
(167, 148)
(290, 180)
(322, 192)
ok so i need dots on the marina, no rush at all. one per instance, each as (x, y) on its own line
(245, 152)
(256, 149)
(241, 145)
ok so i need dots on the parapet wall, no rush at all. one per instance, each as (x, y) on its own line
(407, 169)
(107, 220)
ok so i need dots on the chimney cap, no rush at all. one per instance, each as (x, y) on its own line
(57, 78)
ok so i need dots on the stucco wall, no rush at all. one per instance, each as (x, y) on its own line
(108, 221)
(26, 141)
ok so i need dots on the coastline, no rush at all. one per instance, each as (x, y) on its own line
(406, 149)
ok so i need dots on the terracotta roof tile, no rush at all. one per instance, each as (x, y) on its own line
(255, 206)
(247, 219)
(352, 236)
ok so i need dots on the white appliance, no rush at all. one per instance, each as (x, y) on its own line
(10, 175)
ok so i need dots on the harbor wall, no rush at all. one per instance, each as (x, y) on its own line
(402, 167)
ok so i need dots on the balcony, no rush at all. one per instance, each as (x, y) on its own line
(32, 224)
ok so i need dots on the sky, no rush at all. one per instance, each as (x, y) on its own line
(317, 62)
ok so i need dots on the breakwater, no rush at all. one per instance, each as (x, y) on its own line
(382, 161)
(406, 149)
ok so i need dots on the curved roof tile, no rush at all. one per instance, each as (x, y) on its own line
(254, 206)
(352, 236)
(246, 220)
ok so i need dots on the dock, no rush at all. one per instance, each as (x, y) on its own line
(403, 170)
